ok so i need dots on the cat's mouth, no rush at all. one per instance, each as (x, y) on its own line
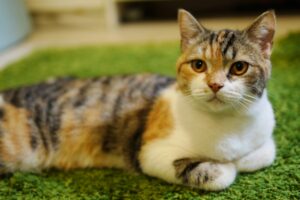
(215, 99)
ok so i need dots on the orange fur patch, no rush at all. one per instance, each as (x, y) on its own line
(216, 74)
(160, 121)
(185, 76)
(16, 134)
(80, 142)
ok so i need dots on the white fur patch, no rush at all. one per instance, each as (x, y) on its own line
(200, 51)
(260, 158)
(208, 53)
(229, 53)
(223, 136)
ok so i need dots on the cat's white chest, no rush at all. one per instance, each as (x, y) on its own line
(223, 138)
(222, 141)
(225, 143)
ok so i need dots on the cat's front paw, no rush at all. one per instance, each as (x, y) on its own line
(205, 175)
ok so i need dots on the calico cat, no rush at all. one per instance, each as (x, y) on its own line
(199, 129)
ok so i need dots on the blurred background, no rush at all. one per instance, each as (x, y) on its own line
(27, 25)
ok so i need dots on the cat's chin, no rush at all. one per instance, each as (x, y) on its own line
(217, 105)
(214, 104)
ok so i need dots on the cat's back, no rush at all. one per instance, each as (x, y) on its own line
(87, 117)
(72, 92)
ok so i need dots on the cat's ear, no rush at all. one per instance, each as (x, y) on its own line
(262, 31)
(190, 29)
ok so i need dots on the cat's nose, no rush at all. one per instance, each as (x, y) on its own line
(215, 87)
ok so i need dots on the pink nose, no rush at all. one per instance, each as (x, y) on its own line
(215, 87)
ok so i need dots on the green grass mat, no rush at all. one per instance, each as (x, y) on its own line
(280, 181)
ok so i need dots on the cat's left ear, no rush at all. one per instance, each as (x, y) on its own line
(262, 31)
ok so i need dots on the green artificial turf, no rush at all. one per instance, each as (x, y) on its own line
(280, 181)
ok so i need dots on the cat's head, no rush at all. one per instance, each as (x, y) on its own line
(225, 69)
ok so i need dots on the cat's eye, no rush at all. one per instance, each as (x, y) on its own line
(239, 68)
(198, 65)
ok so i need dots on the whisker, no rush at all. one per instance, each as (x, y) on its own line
(245, 107)
(248, 100)
(250, 96)
(234, 107)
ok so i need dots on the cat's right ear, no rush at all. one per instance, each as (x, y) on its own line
(190, 29)
(262, 31)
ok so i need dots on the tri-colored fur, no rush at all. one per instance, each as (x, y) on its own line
(70, 123)
(199, 129)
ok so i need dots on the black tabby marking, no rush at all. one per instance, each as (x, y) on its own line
(186, 171)
(130, 122)
(228, 42)
(257, 81)
(41, 101)
(184, 167)
(2, 113)
(211, 38)
(134, 143)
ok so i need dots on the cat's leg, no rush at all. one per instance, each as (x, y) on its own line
(260, 158)
(168, 163)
